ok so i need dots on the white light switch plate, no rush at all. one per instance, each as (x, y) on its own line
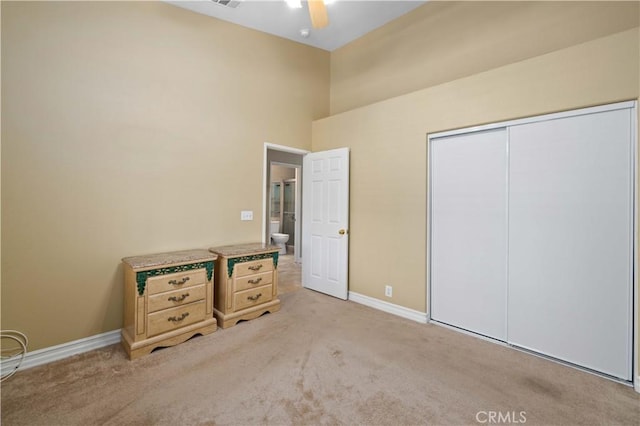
(246, 215)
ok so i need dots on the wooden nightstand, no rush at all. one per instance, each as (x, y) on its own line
(168, 298)
(246, 282)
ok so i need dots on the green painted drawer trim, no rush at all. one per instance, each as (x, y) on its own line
(231, 262)
(141, 277)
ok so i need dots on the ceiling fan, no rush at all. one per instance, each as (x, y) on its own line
(317, 11)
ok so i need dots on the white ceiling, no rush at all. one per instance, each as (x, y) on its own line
(348, 19)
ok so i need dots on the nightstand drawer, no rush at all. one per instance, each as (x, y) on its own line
(175, 298)
(253, 281)
(255, 267)
(256, 296)
(174, 318)
(176, 281)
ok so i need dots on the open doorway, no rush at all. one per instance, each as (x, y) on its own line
(282, 199)
(283, 207)
(325, 197)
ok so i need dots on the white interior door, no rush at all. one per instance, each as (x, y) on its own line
(469, 231)
(325, 222)
(570, 239)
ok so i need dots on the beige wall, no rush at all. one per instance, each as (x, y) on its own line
(132, 128)
(279, 173)
(389, 150)
(445, 41)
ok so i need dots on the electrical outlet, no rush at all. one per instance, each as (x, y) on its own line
(246, 215)
(388, 291)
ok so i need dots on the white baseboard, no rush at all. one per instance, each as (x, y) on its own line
(390, 308)
(636, 385)
(65, 350)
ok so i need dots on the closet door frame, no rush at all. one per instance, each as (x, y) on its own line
(633, 107)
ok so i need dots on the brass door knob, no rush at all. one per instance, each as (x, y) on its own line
(342, 231)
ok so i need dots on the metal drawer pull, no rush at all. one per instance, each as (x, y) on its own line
(254, 298)
(176, 282)
(255, 281)
(178, 299)
(176, 319)
(256, 267)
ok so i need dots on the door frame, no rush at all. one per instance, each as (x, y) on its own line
(265, 168)
(635, 197)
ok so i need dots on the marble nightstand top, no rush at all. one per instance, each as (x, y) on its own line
(170, 258)
(243, 249)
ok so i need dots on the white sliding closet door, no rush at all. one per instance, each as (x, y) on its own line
(468, 231)
(570, 239)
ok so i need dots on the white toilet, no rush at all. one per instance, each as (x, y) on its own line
(278, 239)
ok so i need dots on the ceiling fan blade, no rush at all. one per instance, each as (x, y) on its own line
(318, 13)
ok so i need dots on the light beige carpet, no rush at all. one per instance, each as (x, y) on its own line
(317, 361)
(289, 274)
